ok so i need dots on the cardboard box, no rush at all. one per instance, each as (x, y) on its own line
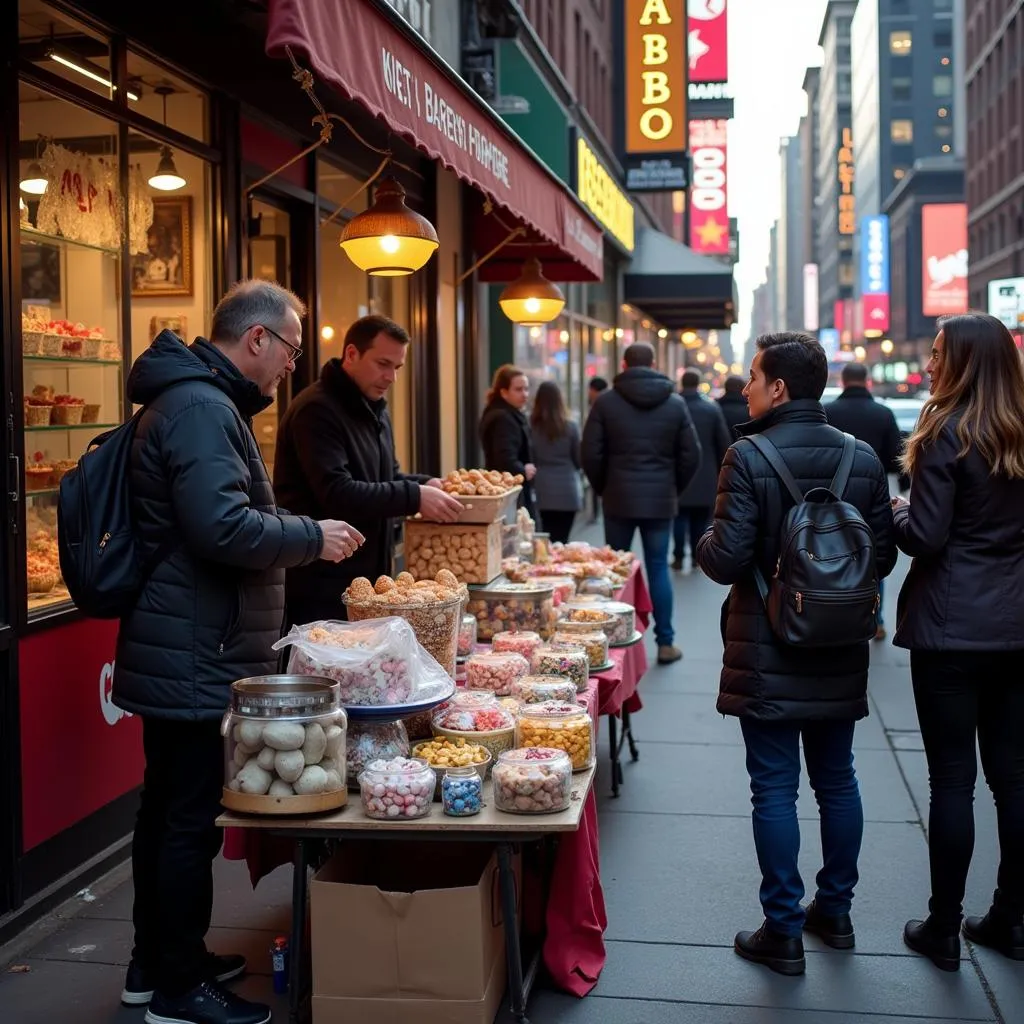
(471, 551)
(408, 932)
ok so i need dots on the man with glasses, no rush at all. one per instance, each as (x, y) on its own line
(336, 456)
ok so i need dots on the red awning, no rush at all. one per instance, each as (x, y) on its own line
(352, 46)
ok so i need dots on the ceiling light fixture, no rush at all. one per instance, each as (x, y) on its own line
(34, 182)
(166, 178)
(531, 300)
(86, 72)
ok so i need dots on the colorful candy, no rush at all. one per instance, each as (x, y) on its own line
(397, 789)
(533, 689)
(513, 606)
(372, 741)
(495, 672)
(571, 661)
(595, 644)
(443, 753)
(532, 781)
(559, 725)
(462, 792)
(516, 642)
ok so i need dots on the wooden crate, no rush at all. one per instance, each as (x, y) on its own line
(471, 551)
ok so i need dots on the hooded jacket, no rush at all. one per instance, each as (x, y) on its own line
(857, 412)
(715, 438)
(214, 604)
(734, 409)
(640, 449)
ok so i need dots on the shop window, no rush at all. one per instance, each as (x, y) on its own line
(389, 296)
(900, 43)
(901, 130)
(167, 99)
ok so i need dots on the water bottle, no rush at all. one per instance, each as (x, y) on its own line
(279, 960)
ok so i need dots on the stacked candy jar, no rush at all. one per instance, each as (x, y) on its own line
(561, 725)
(532, 781)
(567, 660)
(595, 643)
(477, 717)
(523, 642)
(533, 689)
(495, 672)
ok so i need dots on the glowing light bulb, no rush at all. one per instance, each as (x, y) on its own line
(327, 332)
(533, 305)
(390, 244)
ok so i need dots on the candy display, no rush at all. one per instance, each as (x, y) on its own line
(621, 627)
(482, 482)
(516, 642)
(570, 661)
(558, 724)
(495, 672)
(542, 548)
(370, 741)
(595, 644)
(563, 586)
(477, 717)
(462, 792)
(397, 788)
(534, 780)
(60, 338)
(523, 607)
(418, 726)
(597, 585)
(534, 689)
(467, 636)
(472, 552)
(442, 753)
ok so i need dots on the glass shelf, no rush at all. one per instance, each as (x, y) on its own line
(73, 360)
(42, 492)
(72, 426)
(28, 234)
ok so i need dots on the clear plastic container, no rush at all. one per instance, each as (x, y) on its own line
(284, 745)
(477, 717)
(462, 792)
(585, 620)
(512, 606)
(564, 587)
(515, 642)
(597, 585)
(535, 780)
(541, 548)
(560, 725)
(533, 689)
(373, 741)
(467, 636)
(571, 661)
(495, 672)
(595, 644)
(398, 789)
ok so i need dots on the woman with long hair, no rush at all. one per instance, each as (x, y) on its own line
(556, 446)
(505, 431)
(961, 615)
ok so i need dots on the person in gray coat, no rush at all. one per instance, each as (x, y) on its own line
(698, 500)
(556, 454)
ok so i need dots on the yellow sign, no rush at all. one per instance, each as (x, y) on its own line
(605, 200)
(655, 76)
(847, 202)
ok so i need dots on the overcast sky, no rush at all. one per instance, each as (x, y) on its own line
(771, 44)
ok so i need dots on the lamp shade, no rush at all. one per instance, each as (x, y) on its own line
(34, 182)
(389, 239)
(531, 300)
(167, 178)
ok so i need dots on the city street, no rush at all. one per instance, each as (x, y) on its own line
(679, 877)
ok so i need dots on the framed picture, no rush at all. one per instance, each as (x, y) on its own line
(165, 269)
(40, 273)
(178, 324)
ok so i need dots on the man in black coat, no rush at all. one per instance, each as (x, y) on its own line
(856, 412)
(696, 502)
(733, 404)
(336, 457)
(207, 615)
(780, 693)
(639, 452)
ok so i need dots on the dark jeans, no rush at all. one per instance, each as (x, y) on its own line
(654, 534)
(773, 763)
(558, 524)
(692, 522)
(965, 698)
(176, 841)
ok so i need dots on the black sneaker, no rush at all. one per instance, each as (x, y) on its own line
(942, 948)
(139, 984)
(835, 931)
(778, 952)
(206, 1004)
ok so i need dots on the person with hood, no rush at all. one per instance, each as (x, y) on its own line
(640, 450)
(733, 404)
(207, 615)
(505, 431)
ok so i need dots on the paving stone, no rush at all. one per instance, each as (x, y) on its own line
(1006, 980)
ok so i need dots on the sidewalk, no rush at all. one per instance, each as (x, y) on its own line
(680, 879)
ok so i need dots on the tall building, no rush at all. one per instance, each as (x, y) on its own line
(792, 254)
(809, 145)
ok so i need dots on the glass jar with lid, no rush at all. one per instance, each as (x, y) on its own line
(523, 642)
(467, 636)
(560, 725)
(534, 689)
(564, 586)
(505, 605)
(534, 780)
(569, 660)
(284, 745)
(595, 643)
(495, 671)
(477, 717)
(398, 789)
(600, 585)
(462, 792)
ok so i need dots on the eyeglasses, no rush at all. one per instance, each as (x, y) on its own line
(294, 352)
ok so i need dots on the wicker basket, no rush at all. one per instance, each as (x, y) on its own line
(38, 415)
(91, 413)
(42, 583)
(91, 348)
(51, 344)
(31, 343)
(67, 415)
(71, 348)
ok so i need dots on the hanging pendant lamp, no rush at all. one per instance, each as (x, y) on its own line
(166, 178)
(531, 300)
(389, 239)
(34, 182)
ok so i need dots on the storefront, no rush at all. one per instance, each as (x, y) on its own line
(143, 173)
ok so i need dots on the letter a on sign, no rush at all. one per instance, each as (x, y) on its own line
(655, 10)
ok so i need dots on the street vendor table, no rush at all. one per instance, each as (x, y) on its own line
(504, 830)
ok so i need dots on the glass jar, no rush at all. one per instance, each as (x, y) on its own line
(495, 672)
(477, 717)
(594, 643)
(462, 792)
(373, 741)
(398, 789)
(284, 745)
(563, 586)
(512, 606)
(515, 642)
(533, 689)
(600, 585)
(571, 661)
(541, 548)
(560, 725)
(467, 636)
(533, 781)
(620, 627)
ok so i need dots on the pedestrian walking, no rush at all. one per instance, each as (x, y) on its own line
(733, 404)
(556, 448)
(594, 388)
(961, 617)
(697, 501)
(781, 692)
(856, 412)
(639, 452)
(208, 613)
(505, 430)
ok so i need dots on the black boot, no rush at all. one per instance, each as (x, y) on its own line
(782, 954)
(996, 932)
(941, 947)
(836, 931)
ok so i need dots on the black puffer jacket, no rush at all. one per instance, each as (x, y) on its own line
(715, 439)
(640, 449)
(734, 409)
(856, 412)
(964, 531)
(761, 677)
(507, 444)
(213, 607)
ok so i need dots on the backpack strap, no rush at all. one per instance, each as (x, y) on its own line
(776, 461)
(842, 477)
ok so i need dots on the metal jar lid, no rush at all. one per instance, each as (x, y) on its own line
(285, 696)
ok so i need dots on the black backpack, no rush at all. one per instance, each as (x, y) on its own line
(825, 589)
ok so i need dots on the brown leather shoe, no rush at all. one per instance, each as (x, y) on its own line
(667, 653)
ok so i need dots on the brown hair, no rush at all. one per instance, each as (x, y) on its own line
(366, 328)
(503, 377)
(983, 379)
(548, 415)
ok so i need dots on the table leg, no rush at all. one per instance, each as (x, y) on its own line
(297, 966)
(627, 728)
(507, 882)
(615, 750)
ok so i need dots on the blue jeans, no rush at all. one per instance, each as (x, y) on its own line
(881, 598)
(654, 535)
(773, 763)
(692, 522)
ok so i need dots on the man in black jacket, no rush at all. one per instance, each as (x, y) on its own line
(336, 451)
(207, 615)
(639, 452)
(733, 404)
(856, 412)
(781, 693)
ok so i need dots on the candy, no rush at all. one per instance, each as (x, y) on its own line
(462, 792)
(515, 642)
(533, 689)
(371, 741)
(558, 725)
(444, 753)
(564, 660)
(495, 672)
(532, 781)
(563, 586)
(467, 636)
(595, 644)
(520, 607)
(398, 788)
(478, 717)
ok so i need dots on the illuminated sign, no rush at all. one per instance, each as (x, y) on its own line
(708, 40)
(847, 204)
(602, 196)
(709, 219)
(655, 76)
(1006, 301)
(944, 258)
(874, 275)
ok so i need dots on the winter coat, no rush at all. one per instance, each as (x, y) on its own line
(856, 412)
(335, 459)
(508, 445)
(734, 409)
(211, 609)
(965, 531)
(709, 422)
(763, 678)
(640, 449)
(557, 484)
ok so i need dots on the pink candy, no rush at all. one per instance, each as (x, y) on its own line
(397, 788)
(524, 643)
(495, 672)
